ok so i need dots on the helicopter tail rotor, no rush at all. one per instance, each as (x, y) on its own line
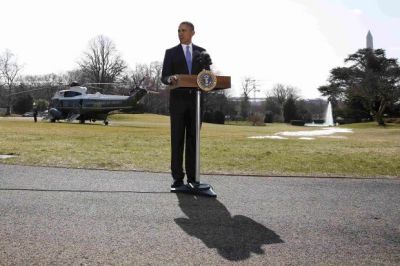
(136, 95)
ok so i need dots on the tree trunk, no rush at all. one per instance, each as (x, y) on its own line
(8, 111)
(379, 114)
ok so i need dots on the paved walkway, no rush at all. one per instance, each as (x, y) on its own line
(71, 216)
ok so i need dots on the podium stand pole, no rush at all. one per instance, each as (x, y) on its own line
(198, 121)
(198, 188)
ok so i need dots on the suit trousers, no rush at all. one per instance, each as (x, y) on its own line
(182, 107)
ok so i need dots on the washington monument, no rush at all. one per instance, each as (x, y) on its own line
(370, 41)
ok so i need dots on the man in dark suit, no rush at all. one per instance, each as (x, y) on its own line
(182, 104)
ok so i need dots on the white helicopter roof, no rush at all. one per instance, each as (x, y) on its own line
(80, 89)
(83, 94)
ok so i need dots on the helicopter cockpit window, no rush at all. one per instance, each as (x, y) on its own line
(71, 93)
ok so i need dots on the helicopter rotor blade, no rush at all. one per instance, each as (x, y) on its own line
(20, 92)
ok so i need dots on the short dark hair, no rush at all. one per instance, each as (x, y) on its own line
(190, 24)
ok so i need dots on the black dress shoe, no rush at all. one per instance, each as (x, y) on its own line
(176, 184)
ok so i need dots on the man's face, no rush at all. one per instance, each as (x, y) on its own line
(185, 34)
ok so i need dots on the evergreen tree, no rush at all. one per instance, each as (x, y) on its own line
(289, 110)
(372, 82)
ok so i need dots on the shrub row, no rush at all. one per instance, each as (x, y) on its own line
(297, 122)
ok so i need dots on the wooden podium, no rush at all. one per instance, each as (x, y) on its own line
(190, 82)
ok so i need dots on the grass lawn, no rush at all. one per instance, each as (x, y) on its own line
(142, 142)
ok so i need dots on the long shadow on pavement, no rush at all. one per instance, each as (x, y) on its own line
(234, 237)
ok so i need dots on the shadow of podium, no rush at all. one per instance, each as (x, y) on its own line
(234, 237)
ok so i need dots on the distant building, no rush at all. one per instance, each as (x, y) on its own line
(370, 41)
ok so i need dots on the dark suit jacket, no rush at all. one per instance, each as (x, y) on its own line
(175, 63)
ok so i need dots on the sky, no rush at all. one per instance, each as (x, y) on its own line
(292, 42)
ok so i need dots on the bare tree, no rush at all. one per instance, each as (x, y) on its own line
(149, 77)
(73, 75)
(292, 92)
(248, 85)
(102, 63)
(41, 86)
(156, 69)
(9, 69)
(282, 93)
(139, 75)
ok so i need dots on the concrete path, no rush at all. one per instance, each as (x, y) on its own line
(64, 216)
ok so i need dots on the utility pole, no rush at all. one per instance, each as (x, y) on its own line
(255, 90)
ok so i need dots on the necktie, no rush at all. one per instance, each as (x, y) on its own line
(188, 56)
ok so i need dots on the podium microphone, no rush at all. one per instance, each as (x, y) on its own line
(203, 58)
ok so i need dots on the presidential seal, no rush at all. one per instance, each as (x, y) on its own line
(206, 80)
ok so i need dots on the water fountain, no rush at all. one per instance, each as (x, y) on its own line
(329, 116)
(328, 122)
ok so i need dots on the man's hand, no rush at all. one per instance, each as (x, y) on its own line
(173, 80)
